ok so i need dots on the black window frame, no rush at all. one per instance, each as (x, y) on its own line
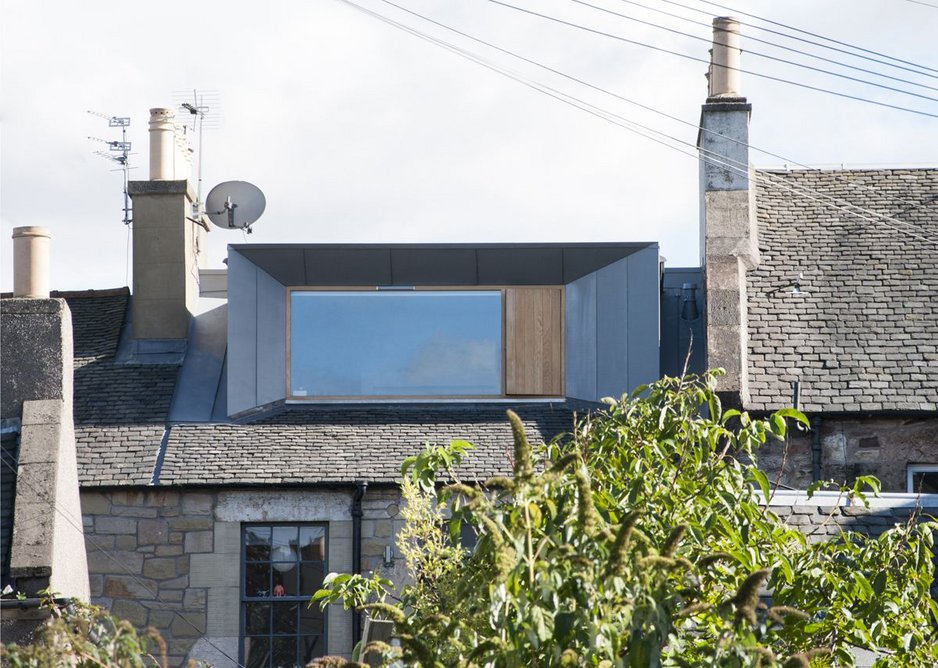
(303, 599)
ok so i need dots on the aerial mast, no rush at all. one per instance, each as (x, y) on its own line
(119, 152)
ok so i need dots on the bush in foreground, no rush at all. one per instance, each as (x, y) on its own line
(641, 540)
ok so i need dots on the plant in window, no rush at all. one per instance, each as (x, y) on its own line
(641, 541)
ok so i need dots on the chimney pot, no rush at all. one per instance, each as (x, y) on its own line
(31, 262)
(724, 58)
(162, 144)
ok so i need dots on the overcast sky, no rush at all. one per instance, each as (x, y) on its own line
(359, 132)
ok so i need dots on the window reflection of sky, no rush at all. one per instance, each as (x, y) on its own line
(445, 343)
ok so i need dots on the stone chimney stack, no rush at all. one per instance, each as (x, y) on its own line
(728, 235)
(31, 262)
(168, 237)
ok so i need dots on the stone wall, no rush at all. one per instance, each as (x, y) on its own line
(172, 558)
(851, 446)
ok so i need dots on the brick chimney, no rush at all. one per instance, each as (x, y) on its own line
(728, 235)
(168, 237)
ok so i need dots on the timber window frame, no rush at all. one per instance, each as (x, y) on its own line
(272, 619)
(531, 346)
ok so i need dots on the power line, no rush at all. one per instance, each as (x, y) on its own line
(783, 47)
(819, 44)
(924, 4)
(707, 62)
(758, 54)
(71, 520)
(812, 34)
(634, 127)
(855, 186)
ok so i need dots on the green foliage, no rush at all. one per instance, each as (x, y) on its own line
(85, 636)
(640, 541)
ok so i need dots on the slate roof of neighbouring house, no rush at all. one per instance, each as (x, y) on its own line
(322, 444)
(119, 409)
(121, 425)
(864, 335)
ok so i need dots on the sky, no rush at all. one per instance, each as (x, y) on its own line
(357, 131)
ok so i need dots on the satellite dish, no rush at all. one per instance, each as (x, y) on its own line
(235, 205)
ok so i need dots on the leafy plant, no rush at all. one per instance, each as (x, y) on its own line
(642, 540)
(86, 636)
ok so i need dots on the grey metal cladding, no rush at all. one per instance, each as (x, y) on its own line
(346, 266)
(440, 266)
(864, 335)
(286, 263)
(520, 266)
(433, 264)
(580, 261)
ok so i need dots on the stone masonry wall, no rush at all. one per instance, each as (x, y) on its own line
(850, 447)
(139, 546)
(172, 558)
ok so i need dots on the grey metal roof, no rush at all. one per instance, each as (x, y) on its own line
(433, 264)
(343, 444)
(864, 335)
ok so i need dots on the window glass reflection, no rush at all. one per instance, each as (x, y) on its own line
(441, 343)
(312, 543)
(283, 565)
(256, 652)
(257, 543)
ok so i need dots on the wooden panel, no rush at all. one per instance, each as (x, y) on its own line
(534, 341)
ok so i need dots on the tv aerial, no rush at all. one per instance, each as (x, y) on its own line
(235, 205)
(119, 152)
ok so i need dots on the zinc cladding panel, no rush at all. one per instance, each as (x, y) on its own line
(534, 341)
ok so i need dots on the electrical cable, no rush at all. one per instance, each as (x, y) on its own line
(808, 41)
(924, 4)
(78, 527)
(783, 47)
(632, 126)
(758, 54)
(707, 62)
(812, 34)
(850, 184)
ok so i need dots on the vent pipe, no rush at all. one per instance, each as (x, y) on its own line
(31, 262)
(724, 58)
(162, 145)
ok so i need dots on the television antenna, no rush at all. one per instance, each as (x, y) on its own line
(235, 205)
(119, 152)
(201, 108)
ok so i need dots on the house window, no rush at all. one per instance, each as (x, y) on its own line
(282, 566)
(426, 343)
(443, 343)
(923, 479)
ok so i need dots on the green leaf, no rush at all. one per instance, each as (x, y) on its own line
(794, 414)
(761, 480)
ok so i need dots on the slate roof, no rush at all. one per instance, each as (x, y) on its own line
(864, 336)
(120, 409)
(121, 425)
(335, 444)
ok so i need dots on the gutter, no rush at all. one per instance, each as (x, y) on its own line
(357, 514)
(32, 603)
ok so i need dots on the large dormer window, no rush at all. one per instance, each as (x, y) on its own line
(390, 343)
